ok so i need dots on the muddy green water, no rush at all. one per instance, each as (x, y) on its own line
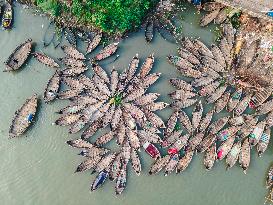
(38, 168)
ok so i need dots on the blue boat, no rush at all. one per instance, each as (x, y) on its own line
(100, 179)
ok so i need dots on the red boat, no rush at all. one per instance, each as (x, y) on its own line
(151, 150)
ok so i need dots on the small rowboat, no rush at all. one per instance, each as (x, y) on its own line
(244, 157)
(121, 179)
(19, 56)
(23, 117)
(210, 157)
(149, 30)
(107, 51)
(73, 52)
(7, 17)
(151, 150)
(269, 179)
(44, 59)
(100, 179)
(52, 87)
(92, 44)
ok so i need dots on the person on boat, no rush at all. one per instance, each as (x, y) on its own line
(51, 93)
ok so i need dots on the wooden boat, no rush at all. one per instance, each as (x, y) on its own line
(225, 48)
(211, 6)
(149, 80)
(93, 43)
(135, 162)
(156, 106)
(185, 121)
(103, 139)
(213, 64)
(67, 119)
(197, 115)
(217, 125)
(235, 99)
(181, 94)
(7, 16)
(227, 133)
(205, 121)
(269, 119)
(248, 126)
(221, 17)
(89, 163)
(100, 179)
(149, 30)
(269, 197)
(242, 105)
(208, 18)
(202, 48)
(151, 150)
(159, 164)
(70, 36)
(133, 139)
(75, 71)
(19, 56)
(218, 55)
(263, 142)
(184, 162)
(121, 179)
(229, 33)
(78, 125)
(180, 143)
(146, 99)
(116, 118)
(221, 103)
(256, 134)
(216, 95)
(126, 150)
(202, 81)
(209, 89)
(71, 62)
(147, 66)
(188, 45)
(260, 97)
(107, 51)
(210, 157)
(179, 62)
(265, 108)
(237, 120)
(195, 140)
(225, 147)
(52, 87)
(49, 34)
(115, 167)
(247, 57)
(233, 155)
(178, 104)
(206, 143)
(114, 79)
(73, 52)
(181, 84)
(98, 70)
(80, 143)
(42, 58)
(155, 120)
(244, 157)
(93, 152)
(172, 138)
(184, 53)
(269, 178)
(105, 162)
(23, 117)
(149, 136)
(171, 123)
(171, 164)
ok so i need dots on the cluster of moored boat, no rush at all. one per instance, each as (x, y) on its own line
(6, 13)
(227, 75)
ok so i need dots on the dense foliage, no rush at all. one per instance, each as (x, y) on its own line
(110, 16)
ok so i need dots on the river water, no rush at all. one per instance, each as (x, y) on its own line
(38, 168)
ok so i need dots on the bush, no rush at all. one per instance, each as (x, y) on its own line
(110, 16)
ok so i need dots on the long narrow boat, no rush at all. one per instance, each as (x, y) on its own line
(7, 17)
(210, 157)
(269, 178)
(92, 44)
(52, 87)
(19, 56)
(149, 30)
(159, 164)
(73, 52)
(264, 141)
(100, 179)
(233, 155)
(23, 117)
(121, 180)
(70, 36)
(107, 51)
(205, 20)
(44, 59)
(244, 157)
